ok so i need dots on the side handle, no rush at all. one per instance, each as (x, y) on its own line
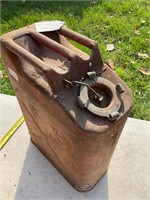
(77, 37)
(53, 45)
(49, 73)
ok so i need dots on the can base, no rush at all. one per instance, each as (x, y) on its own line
(84, 189)
(76, 187)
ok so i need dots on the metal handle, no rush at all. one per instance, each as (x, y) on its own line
(55, 46)
(21, 52)
(78, 37)
(62, 50)
(81, 39)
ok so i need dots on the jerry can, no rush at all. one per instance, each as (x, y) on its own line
(74, 105)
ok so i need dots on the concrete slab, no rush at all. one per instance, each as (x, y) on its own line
(25, 174)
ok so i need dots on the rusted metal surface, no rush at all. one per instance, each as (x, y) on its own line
(78, 141)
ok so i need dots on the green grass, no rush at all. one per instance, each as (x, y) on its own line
(106, 22)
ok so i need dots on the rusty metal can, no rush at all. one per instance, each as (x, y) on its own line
(74, 105)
